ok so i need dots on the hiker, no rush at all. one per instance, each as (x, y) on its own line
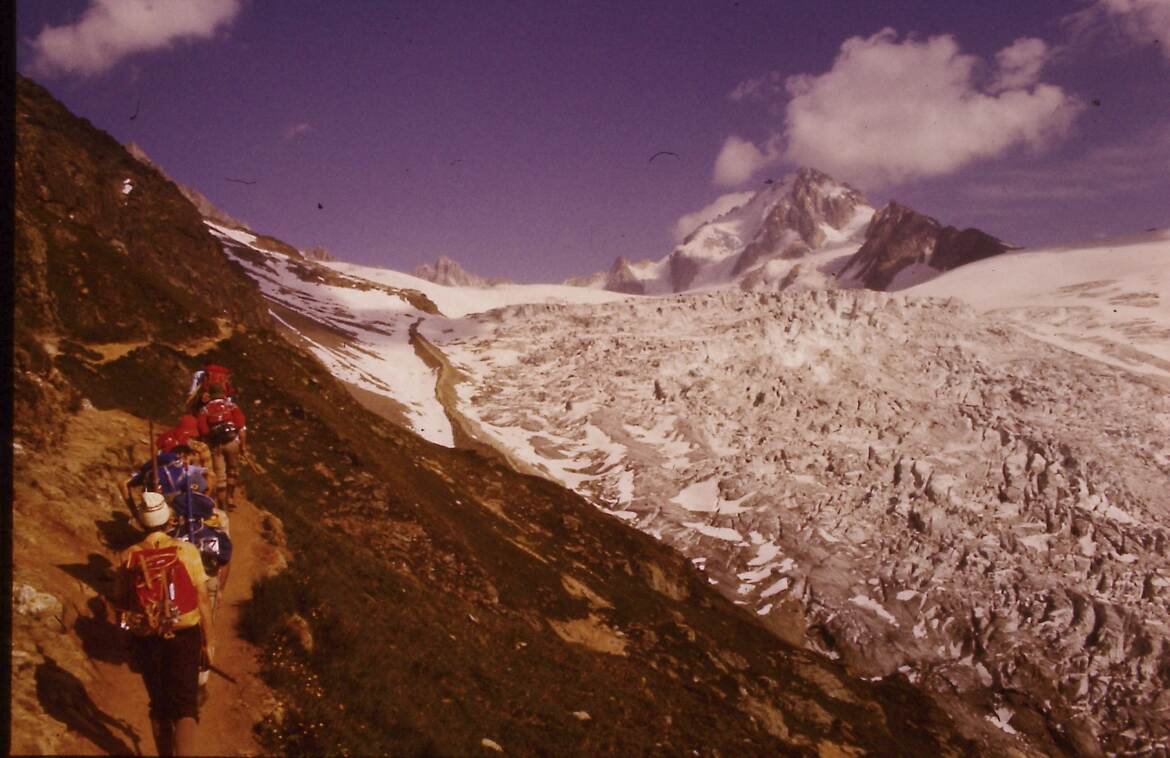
(195, 503)
(186, 432)
(162, 600)
(171, 478)
(222, 426)
(198, 477)
(207, 379)
(196, 520)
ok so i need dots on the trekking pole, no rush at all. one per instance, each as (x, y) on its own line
(190, 512)
(222, 673)
(153, 455)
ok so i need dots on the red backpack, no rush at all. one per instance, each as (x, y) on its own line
(166, 441)
(221, 426)
(218, 377)
(162, 592)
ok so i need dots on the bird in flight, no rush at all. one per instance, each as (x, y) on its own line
(239, 181)
(662, 152)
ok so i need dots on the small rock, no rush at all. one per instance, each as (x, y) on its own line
(27, 601)
(582, 715)
(491, 745)
(301, 633)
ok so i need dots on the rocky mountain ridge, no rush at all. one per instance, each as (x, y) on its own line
(206, 208)
(449, 273)
(903, 246)
(806, 231)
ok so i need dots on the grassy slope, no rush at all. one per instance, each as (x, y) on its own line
(447, 598)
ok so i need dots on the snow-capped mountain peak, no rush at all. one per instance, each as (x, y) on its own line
(806, 212)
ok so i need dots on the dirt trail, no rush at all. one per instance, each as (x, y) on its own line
(73, 689)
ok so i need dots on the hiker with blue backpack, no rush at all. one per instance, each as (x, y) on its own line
(164, 473)
(161, 598)
(197, 520)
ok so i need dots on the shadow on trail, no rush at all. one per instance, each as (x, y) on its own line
(119, 532)
(64, 697)
(100, 638)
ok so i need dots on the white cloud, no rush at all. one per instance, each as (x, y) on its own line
(764, 88)
(1142, 21)
(110, 30)
(1020, 64)
(691, 221)
(888, 111)
(739, 159)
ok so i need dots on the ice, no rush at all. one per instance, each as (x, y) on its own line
(864, 601)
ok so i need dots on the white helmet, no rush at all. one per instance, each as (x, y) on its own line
(154, 512)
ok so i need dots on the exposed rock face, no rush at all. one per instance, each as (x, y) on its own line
(621, 278)
(319, 254)
(448, 272)
(206, 208)
(787, 220)
(899, 237)
(895, 482)
(816, 201)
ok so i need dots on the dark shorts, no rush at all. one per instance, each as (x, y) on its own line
(170, 669)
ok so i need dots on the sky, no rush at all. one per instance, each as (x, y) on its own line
(538, 140)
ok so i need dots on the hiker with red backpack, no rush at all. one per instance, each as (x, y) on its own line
(222, 426)
(186, 432)
(162, 600)
(205, 381)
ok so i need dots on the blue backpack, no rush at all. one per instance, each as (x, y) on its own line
(215, 547)
(193, 505)
(172, 475)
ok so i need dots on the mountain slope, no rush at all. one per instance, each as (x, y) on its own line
(1109, 300)
(904, 246)
(434, 601)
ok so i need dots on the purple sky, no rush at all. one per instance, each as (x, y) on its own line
(514, 137)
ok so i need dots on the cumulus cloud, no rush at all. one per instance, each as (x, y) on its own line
(739, 158)
(891, 110)
(1142, 21)
(1020, 64)
(691, 221)
(110, 30)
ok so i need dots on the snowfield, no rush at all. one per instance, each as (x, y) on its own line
(967, 482)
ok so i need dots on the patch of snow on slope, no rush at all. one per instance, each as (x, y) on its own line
(1108, 300)
(362, 337)
(456, 302)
